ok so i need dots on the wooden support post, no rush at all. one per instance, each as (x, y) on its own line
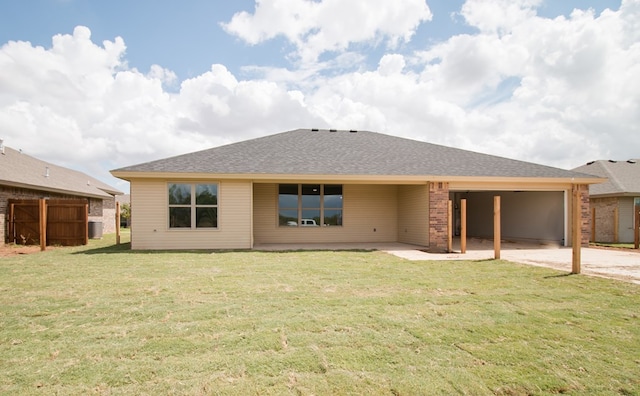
(616, 225)
(496, 227)
(636, 232)
(576, 231)
(449, 227)
(117, 223)
(42, 214)
(86, 224)
(463, 225)
(12, 236)
(593, 224)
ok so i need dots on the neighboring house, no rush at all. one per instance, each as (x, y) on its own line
(614, 199)
(26, 177)
(328, 186)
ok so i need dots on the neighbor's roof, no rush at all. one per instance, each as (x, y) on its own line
(623, 177)
(21, 170)
(330, 152)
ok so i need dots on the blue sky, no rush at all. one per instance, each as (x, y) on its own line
(186, 37)
(528, 79)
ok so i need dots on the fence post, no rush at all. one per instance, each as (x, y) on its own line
(42, 215)
(616, 225)
(593, 224)
(636, 232)
(86, 222)
(117, 223)
(12, 236)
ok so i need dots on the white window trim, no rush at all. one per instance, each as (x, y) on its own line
(193, 207)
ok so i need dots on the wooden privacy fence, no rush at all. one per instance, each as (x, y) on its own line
(48, 222)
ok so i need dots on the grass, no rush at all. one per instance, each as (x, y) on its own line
(101, 319)
(614, 245)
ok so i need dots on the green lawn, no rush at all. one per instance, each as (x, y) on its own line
(101, 319)
(614, 245)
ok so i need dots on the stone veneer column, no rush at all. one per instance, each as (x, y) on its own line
(438, 214)
(585, 214)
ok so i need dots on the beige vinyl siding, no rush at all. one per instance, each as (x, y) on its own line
(265, 203)
(626, 220)
(370, 214)
(150, 228)
(413, 214)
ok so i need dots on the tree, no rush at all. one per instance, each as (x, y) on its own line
(125, 213)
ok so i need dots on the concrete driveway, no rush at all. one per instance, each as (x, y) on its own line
(616, 264)
(609, 263)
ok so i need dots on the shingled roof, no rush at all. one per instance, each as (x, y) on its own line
(338, 152)
(21, 170)
(623, 177)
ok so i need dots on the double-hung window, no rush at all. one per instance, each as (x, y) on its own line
(193, 205)
(309, 205)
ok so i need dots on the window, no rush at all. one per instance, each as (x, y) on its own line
(193, 205)
(309, 205)
(288, 204)
(332, 205)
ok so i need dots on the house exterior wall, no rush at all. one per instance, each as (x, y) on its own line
(98, 210)
(605, 222)
(150, 224)
(413, 214)
(103, 211)
(108, 217)
(526, 215)
(605, 209)
(370, 214)
(626, 220)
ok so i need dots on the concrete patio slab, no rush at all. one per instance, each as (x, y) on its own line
(609, 263)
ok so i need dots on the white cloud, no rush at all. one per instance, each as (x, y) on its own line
(498, 16)
(555, 91)
(167, 76)
(391, 64)
(315, 27)
(559, 92)
(79, 105)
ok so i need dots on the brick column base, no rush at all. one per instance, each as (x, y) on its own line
(585, 214)
(438, 216)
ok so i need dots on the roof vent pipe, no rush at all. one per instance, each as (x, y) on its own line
(46, 171)
(1, 146)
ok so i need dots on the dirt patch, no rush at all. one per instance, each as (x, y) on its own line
(14, 250)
